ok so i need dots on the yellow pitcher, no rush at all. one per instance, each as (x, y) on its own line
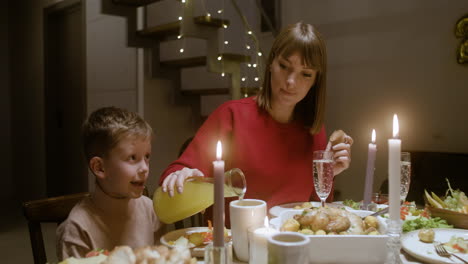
(197, 195)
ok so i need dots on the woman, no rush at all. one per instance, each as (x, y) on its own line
(271, 137)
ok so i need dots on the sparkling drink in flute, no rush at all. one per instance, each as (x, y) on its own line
(405, 175)
(323, 173)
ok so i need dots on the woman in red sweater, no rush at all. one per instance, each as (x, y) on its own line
(270, 137)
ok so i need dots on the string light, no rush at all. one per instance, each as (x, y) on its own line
(249, 32)
(249, 65)
(179, 37)
(181, 50)
(247, 46)
(226, 42)
(243, 79)
(220, 58)
(222, 74)
(256, 79)
(183, 1)
(255, 65)
(259, 54)
(208, 14)
(180, 18)
(220, 11)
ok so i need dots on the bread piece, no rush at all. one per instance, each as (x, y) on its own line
(338, 136)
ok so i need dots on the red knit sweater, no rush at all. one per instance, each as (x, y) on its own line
(275, 158)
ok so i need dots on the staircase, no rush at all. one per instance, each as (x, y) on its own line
(217, 73)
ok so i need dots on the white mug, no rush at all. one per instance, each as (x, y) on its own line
(245, 214)
(288, 248)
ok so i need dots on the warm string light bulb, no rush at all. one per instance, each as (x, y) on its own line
(179, 37)
(225, 26)
(181, 50)
(259, 54)
(255, 65)
(220, 11)
(180, 18)
(208, 14)
(249, 65)
(222, 74)
(256, 79)
(247, 46)
(183, 1)
(226, 42)
(249, 32)
(243, 79)
(220, 58)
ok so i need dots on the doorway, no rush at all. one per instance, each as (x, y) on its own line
(64, 98)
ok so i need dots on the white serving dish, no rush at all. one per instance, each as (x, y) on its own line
(361, 249)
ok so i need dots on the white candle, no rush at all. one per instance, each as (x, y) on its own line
(259, 243)
(394, 170)
(370, 171)
(218, 210)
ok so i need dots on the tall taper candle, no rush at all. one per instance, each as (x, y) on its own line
(370, 171)
(394, 171)
(218, 210)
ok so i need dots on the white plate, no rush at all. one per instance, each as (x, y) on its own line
(174, 235)
(426, 251)
(275, 211)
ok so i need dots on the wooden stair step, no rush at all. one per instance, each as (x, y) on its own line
(201, 61)
(134, 3)
(216, 91)
(173, 28)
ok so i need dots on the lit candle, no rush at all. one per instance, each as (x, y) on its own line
(394, 170)
(218, 210)
(370, 171)
(259, 243)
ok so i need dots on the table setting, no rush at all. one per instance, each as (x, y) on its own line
(337, 232)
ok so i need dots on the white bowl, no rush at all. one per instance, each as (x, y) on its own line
(343, 248)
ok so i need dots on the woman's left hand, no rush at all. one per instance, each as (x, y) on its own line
(342, 154)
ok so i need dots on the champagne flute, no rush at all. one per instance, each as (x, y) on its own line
(323, 174)
(405, 175)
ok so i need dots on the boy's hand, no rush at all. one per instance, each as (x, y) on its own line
(178, 178)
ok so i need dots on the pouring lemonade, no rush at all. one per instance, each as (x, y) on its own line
(197, 195)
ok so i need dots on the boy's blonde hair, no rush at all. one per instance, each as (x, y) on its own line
(106, 126)
(307, 41)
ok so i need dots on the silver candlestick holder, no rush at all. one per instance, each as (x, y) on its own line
(394, 241)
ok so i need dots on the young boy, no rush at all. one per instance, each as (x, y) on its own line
(117, 146)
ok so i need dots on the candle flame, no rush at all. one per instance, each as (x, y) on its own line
(396, 128)
(266, 222)
(373, 136)
(219, 150)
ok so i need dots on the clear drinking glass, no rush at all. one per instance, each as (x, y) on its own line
(405, 175)
(323, 173)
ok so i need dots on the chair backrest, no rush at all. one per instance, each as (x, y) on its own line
(49, 210)
(429, 170)
(192, 221)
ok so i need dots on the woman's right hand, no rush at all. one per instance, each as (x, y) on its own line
(178, 178)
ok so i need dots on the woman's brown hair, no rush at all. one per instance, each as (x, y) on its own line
(307, 41)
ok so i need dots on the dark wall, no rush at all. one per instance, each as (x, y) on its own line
(5, 120)
(26, 93)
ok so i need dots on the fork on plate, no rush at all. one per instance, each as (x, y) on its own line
(441, 251)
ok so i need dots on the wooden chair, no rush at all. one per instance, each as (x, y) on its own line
(429, 170)
(192, 221)
(49, 210)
